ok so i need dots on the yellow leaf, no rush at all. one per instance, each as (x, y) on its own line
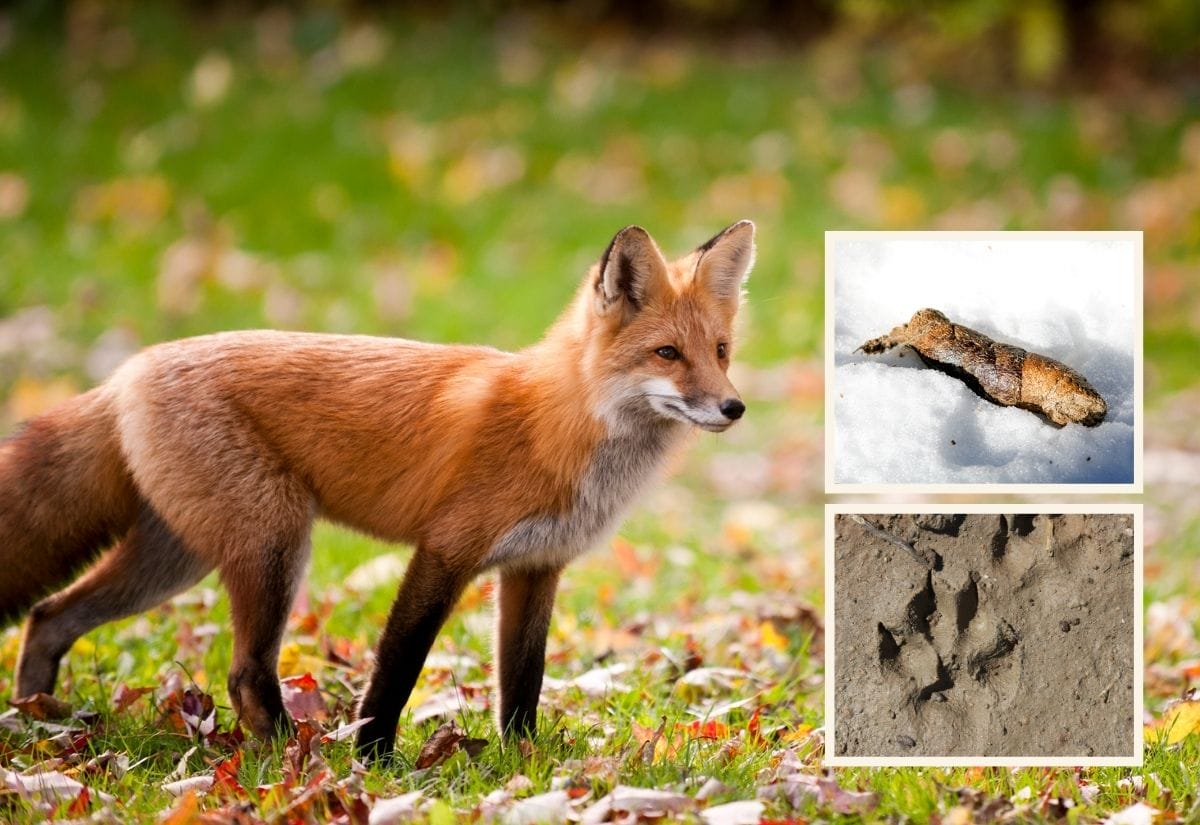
(294, 662)
(797, 734)
(1180, 720)
(476, 595)
(768, 636)
(9, 645)
(289, 657)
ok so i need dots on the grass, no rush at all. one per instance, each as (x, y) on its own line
(442, 179)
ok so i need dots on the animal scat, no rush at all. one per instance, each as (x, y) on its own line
(1001, 373)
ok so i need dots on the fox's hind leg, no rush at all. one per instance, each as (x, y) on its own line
(147, 567)
(262, 585)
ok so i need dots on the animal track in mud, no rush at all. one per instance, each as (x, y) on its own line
(947, 636)
(989, 634)
(949, 633)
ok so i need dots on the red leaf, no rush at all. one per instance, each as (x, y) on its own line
(225, 780)
(185, 812)
(307, 623)
(711, 729)
(752, 727)
(302, 698)
(81, 804)
(78, 743)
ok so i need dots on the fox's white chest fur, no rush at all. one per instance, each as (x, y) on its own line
(620, 468)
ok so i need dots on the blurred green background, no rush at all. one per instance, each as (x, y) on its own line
(167, 170)
(173, 169)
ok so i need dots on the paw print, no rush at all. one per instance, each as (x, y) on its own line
(948, 635)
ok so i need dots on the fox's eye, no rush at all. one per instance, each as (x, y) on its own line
(722, 351)
(670, 353)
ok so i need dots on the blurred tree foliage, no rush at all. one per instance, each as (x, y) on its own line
(1036, 42)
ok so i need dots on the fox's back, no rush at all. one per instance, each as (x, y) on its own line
(312, 404)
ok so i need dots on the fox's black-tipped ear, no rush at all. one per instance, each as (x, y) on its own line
(631, 266)
(726, 260)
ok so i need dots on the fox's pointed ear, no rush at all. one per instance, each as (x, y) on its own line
(725, 261)
(631, 267)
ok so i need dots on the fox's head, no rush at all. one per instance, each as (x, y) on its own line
(660, 333)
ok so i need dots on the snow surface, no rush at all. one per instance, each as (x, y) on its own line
(896, 420)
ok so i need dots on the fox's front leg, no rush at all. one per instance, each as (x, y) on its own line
(430, 589)
(523, 612)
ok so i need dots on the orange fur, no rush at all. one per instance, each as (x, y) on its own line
(220, 451)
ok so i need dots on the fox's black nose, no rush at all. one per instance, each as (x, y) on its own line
(732, 409)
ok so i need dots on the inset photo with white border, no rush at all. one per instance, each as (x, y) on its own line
(983, 361)
(983, 635)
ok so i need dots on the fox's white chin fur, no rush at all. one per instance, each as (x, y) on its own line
(675, 408)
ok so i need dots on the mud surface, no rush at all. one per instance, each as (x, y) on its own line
(984, 635)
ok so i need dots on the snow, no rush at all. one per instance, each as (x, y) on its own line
(896, 420)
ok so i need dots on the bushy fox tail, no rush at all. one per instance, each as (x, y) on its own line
(65, 495)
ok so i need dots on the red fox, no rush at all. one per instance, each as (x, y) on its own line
(220, 451)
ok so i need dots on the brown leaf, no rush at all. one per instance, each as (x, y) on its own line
(124, 696)
(440, 746)
(69, 742)
(305, 745)
(553, 806)
(188, 786)
(109, 763)
(226, 741)
(190, 711)
(237, 813)
(745, 812)
(46, 784)
(637, 804)
(798, 788)
(473, 747)
(345, 731)
(395, 809)
(41, 706)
